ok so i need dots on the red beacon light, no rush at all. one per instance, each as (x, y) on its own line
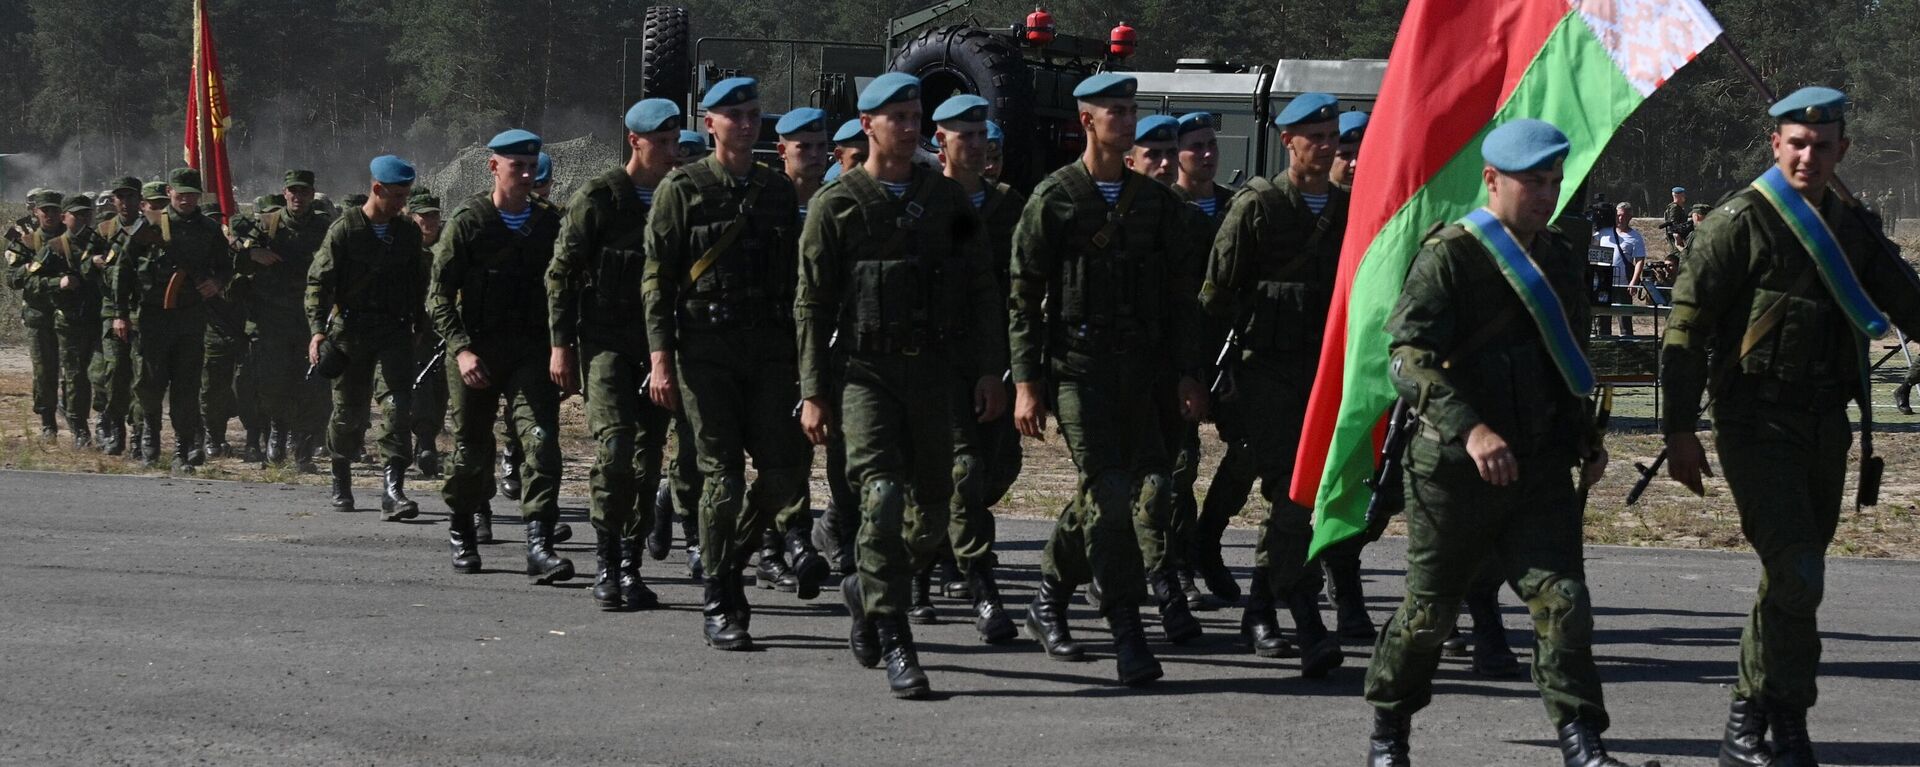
(1120, 43)
(1038, 30)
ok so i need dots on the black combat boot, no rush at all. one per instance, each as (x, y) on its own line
(690, 530)
(634, 594)
(510, 471)
(904, 676)
(606, 580)
(989, 614)
(1581, 747)
(215, 445)
(1792, 746)
(342, 484)
(1258, 626)
(483, 525)
(183, 456)
(302, 447)
(771, 572)
(276, 448)
(1320, 650)
(394, 504)
(833, 538)
(810, 570)
(922, 611)
(543, 566)
(660, 537)
(1745, 742)
(102, 431)
(1456, 643)
(952, 583)
(1902, 398)
(1175, 618)
(560, 532)
(82, 436)
(150, 443)
(116, 441)
(1191, 590)
(1349, 599)
(466, 556)
(1388, 745)
(1134, 664)
(1492, 656)
(1208, 562)
(1047, 621)
(722, 633)
(256, 449)
(742, 610)
(863, 640)
(49, 427)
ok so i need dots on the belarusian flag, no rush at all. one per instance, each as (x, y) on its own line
(1458, 69)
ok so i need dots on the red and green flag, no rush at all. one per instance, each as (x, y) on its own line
(1460, 68)
(208, 118)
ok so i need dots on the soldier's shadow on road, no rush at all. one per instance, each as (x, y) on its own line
(1831, 752)
(1097, 682)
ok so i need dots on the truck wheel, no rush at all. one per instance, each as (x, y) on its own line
(965, 59)
(666, 55)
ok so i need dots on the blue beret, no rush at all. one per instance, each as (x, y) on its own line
(1814, 105)
(890, 88)
(733, 90)
(543, 171)
(1353, 126)
(515, 141)
(994, 134)
(1308, 108)
(650, 115)
(1193, 121)
(388, 169)
(802, 120)
(1679, 190)
(965, 107)
(1155, 128)
(833, 172)
(1523, 145)
(693, 140)
(1106, 85)
(849, 132)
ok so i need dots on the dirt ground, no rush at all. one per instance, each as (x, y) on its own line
(1668, 516)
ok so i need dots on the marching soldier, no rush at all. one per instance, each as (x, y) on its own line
(111, 371)
(169, 272)
(849, 148)
(805, 151)
(512, 458)
(1342, 561)
(25, 243)
(283, 242)
(895, 292)
(595, 313)
(56, 285)
(1493, 361)
(363, 299)
(430, 396)
(488, 300)
(1346, 157)
(1154, 153)
(996, 142)
(718, 289)
(1782, 288)
(1101, 313)
(1271, 275)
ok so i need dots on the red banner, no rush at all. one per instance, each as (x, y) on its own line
(207, 115)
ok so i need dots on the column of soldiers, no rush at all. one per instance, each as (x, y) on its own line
(914, 319)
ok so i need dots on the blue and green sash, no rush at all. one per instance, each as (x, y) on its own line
(1828, 259)
(1531, 285)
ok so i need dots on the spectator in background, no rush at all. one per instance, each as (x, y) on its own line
(1629, 255)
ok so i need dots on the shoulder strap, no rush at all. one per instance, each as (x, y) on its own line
(270, 223)
(755, 183)
(1129, 189)
(1771, 317)
(997, 195)
(912, 207)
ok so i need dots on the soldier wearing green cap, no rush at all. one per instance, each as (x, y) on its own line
(1101, 316)
(280, 245)
(111, 371)
(895, 295)
(598, 342)
(364, 297)
(488, 300)
(26, 246)
(1493, 363)
(1772, 321)
(177, 262)
(718, 292)
(430, 396)
(1270, 278)
(57, 285)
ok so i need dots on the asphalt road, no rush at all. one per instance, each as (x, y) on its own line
(162, 621)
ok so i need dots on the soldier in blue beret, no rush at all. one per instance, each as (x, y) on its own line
(1675, 217)
(1198, 143)
(804, 151)
(543, 176)
(491, 311)
(718, 308)
(371, 316)
(1346, 158)
(891, 233)
(1154, 152)
(1094, 214)
(996, 152)
(849, 147)
(693, 146)
(1780, 421)
(598, 344)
